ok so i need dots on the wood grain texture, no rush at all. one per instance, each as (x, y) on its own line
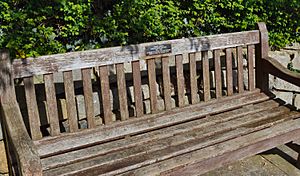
(206, 77)
(32, 108)
(53, 145)
(218, 78)
(229, 76)
(164, 133)
(70, 101)
(261, 51)
(152, 85)
(250, 54)
(198, 142)
(113, 55)
(88, 96)
(180, 80)
(240, 68)
(25, 151)
(52, 111)
(238, 148)
(193, 77)
(122, 93)
(137, 86)
(17, 139)
(166, 82)
(105, 94)
(7, 87)
(192, 139)
(275, 68)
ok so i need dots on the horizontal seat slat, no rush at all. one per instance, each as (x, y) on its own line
(156, 150)
(239, 148)
(106, 56)
(200, 161)
(102, 149)
(55, 145)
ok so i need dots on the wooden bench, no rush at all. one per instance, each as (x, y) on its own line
(216, 108)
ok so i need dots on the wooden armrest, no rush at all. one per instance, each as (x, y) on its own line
(275, 68)
(27, 156)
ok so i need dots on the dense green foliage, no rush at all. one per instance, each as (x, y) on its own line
(38, 27)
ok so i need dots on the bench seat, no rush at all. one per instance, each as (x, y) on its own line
(164, 143)
(176, 107)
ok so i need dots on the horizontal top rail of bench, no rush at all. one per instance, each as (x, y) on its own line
(85, 59)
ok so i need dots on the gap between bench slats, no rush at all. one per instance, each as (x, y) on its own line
(102, 149)
(157, 150)
(54, 145)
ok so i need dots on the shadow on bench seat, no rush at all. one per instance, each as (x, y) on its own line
(216, 119)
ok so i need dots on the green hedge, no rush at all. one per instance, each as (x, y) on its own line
(39, 27)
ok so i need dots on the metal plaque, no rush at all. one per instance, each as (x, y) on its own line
(158, 49)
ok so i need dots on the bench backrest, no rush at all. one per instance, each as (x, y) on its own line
(128, 79)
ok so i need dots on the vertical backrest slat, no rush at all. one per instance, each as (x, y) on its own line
(180, 79)
(229, 78)
(88, 96)
(70, 101)
(166, 82)
(218, 78)
(122, 93)
(193, 77)
(206, 78)
(51, 105)
(250, 54)
(32, 108)
(240, 69)
(137, 86)
(105, 94)
(152, 84)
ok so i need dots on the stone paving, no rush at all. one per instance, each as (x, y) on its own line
(276, 162)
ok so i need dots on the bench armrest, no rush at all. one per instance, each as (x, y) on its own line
(26, 154)
(275, 68)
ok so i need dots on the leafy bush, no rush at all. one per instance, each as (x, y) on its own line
(39, 27)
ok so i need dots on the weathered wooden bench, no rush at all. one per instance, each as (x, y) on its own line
(216, 108)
